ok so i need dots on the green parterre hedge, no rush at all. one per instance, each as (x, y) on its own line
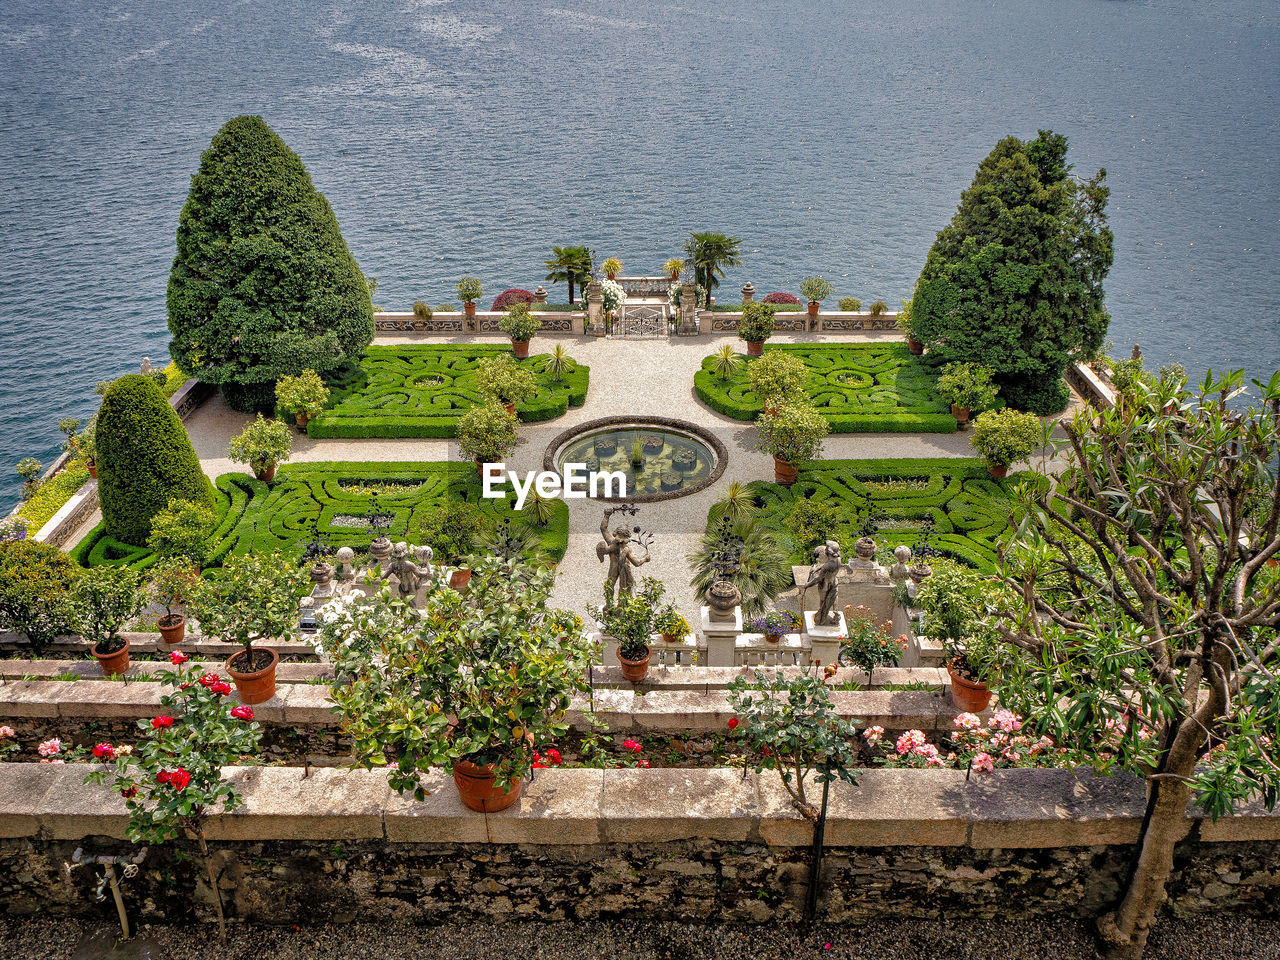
(421, 391)
(968, 508)
(310, 498)
(858, 387)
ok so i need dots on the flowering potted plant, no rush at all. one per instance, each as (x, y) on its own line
(1004, 437)
(520, 325)
(614, 297)
(303, 397)
(673, 268)
(104, 599)
(501, 379)
(776, 377)
(756, 326)
(792, 432)
(173, 581)
(176, 775)
(631, 620)
(255, 600)
(672, 625)
(791, 726)
(612, 267)
(487, 433)
(967, 387)
(469, 291)
(775, 624)
(815, 290)
(868, 644)
(263, 445)
(471, 684)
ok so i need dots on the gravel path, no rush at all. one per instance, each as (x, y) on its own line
(1200, 939)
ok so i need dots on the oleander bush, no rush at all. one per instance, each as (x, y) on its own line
(952, 504)
(333, 501)
(507, 297)
(860, 387)
(422, 391)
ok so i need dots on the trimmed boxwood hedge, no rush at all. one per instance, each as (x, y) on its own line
(969, 510)
(422, 391)
(145, 458)
(305, 498)
(859, 388)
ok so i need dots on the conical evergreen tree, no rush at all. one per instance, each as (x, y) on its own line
(263, 285)
(1014, 282)
(145, 459)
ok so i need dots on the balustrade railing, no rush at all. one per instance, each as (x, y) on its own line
(647, 288)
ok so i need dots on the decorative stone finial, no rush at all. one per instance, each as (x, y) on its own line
(748, 293)
(146, 366)
(540, 295)
(346, 559)
(380, 549)
(865, 549)
(902, 557)
(722, 597)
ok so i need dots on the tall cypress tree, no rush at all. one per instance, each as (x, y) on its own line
(263, 285)
(1014, 282)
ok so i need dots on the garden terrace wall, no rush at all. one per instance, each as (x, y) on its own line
(455, 324)
(800, 322)
(339, 845)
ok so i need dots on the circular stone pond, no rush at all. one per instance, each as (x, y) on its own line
(661, 458)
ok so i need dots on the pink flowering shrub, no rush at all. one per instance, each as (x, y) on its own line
(507, 297)
(779, 297)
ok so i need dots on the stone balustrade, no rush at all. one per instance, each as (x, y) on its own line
(646, 288)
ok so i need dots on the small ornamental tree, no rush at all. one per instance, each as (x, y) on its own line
(502, 379)
(469, 290)
(757, 322)
(145, 459)
(816, 289)
(1014, 282)
(869, 644)
(792, 432)
(183, 530)
(255, 600)
(777, 376)
(35, 591)
(1005, 437)
(104, 599)
(173, 581)
(1145, 625)
(175, 777)
(303, 396)
(487, 433)
(519, 323)
(967, 385)
(263, 445)
(790, 725)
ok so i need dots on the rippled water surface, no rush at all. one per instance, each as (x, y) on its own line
(458, 136)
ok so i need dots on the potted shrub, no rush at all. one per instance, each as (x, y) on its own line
(253, 601)
(469, 291)
(104, 599)
(672, 625)
(904, 324)
(815, 290)
(777, 376)
(631, 620)
(952, 602)
(36, 580)
(503, 380)
(183, 529)
(673, 268)
(174, 778)
(1004, 437)
(520, 325)
(612, 267)
(791, 433)
(173, 582)
(967, 387)
(264, 445)
(451, 533)
(473, 686)
(869, 644)
(849, 304)
(756, 326)
(878, 308)
(302, 397)
(86, 447)
(775, 624)
(487, 433)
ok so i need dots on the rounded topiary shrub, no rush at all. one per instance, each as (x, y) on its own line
(507, 297)
(779, 297)
(145, 459)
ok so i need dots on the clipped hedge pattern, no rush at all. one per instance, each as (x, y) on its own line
(968, 508)
(421, 391)
(306, 498)
(859, 388)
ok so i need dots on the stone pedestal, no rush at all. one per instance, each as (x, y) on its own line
(688, 310)
(721, 637)
(824, 641)
(540, 295)
(595, 309)
(748, 293)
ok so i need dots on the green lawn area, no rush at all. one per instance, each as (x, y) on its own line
(968, 509)
(332, 500)
(858, 387)
(421, 391)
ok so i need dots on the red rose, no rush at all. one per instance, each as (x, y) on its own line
(554, 755)
(178, 658)
(161, 723)
(221, 688)
(129, 793)
(631, 745)
(539, 765)
(179, 779)
(242, 713)
(162, 776)
(643, 763)
(208, 679)
(733, 723)
(104, 751)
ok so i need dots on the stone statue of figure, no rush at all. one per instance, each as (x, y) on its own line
(826, 567)
(623, 555)
(406, 572)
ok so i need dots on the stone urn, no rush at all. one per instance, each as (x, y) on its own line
(722, 598)
(865, 549)
(920, 572)
(379, 551)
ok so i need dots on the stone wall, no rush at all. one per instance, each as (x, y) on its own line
(456, 324)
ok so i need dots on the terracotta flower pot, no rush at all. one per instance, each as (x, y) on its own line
(266, 474)
(784, 472)
(755, 348)
(773, 637)
(521, 349)
(476, 788)
(511, 407)
(966, 695)
(469, 308)
(635, 670)
(302, 418)
(998, 470)
(960, 413)
(813, 308)
(172, 627)
(93, 469)
(114, 663)
(459, 578)
(254, 686)
(914, 345)
(670, 638)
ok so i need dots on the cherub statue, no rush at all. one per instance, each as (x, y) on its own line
(826, 568)
(621, 550)
(406, 572)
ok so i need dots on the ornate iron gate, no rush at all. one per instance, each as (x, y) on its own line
(640, 322)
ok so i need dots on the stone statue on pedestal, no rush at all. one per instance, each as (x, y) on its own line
(623, 553)
(827, 565)
(407, 573)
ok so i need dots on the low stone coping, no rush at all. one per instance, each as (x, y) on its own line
(142, 669)
(1007, 809)
(151, 643)
(707, 679)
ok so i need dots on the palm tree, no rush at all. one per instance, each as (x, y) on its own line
(570, 265)
(710, 253)
(746, 554)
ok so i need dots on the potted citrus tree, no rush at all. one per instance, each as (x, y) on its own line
(263, 445)
(503, 380)
(777, 376)
(952, 602)
(756, 326)
(253, 602)
(472, 685)
(631, 620)
(792, 433)
(1004, 437)
(815, 290)
(469, 291)
(103, 600)
(173, 582)
(302, 397)
(520, 325)
(487, 433)
(967, 387)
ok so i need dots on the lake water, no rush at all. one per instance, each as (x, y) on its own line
(454, 136)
